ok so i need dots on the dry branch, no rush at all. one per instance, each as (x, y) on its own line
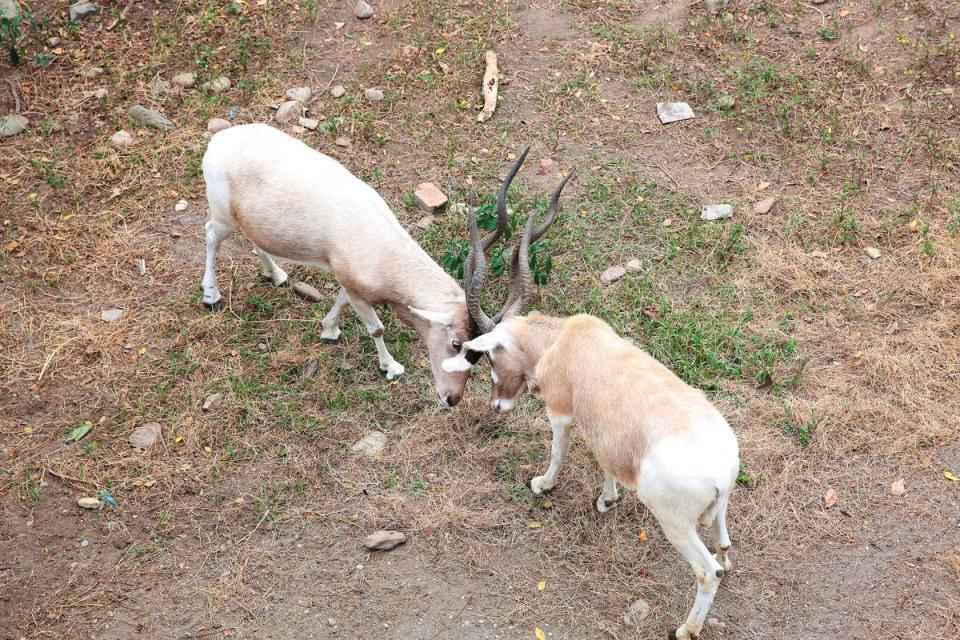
(490, 84)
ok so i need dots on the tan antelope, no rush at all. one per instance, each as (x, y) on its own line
(648, 430)
(295, 203)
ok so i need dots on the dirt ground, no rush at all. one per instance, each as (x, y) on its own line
(839, 371)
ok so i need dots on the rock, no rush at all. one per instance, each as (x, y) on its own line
(92, 72)
(338, 91)
(185, 80)
(84, 543)
(150, 118)
(668, 222)
(384, 540)
(332, 622)
(343, 141)
(431, 477)
(301, 94)
(289, 111)
(637, 612)
(121, 138)
(373, 95)
(111, 315)
(425, 222)
(634, 265)
(213, 402)
(716, 212)
(612, 274)
(144, 436)
(362, 10)
(429, 197)
(371, 445)
(546, 165)
(53, 42)
(309, 123)
(726, 102)
(307, 292)
(97, 93)
(673, 112)
(217, 85)
(89, 503)
(713, 623)
(160, 87)
(9, 9)
(898, 488)
(82, 10)
(312, 368)
(217, 124)
(873, 252)
(764, 206)
(181, 206)
(12, 125)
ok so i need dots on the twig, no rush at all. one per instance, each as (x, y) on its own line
(49, 358)
(122, 16)
(16, 96)
(490, 84)
(332, 78)
(67, 478)
(667, 173)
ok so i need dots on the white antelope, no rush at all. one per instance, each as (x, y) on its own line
(648, 430)
(295, 203)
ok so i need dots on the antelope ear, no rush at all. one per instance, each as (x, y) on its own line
(457, 363)
(442, 318)
(488, 341)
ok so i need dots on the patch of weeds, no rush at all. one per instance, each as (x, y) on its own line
(801, 429)
(831, 32)
(521, 494)
(745, 479)
(843, 228)
(49, 172)
(31, 488)
(417, 484)
(266, 505)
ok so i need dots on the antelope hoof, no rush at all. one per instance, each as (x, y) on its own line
(538, 486)
(330, 340)
(216, 305)
(330, 336)
(604, 505)
(681, 634)
(393, 370)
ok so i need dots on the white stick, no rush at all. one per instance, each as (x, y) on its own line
(490, 84)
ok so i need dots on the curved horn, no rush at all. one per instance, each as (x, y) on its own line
(552, 209)
(477, 262)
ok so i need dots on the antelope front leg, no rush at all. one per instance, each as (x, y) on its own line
(371, 321)
(560, 425)
(216, 232)
(609, 495)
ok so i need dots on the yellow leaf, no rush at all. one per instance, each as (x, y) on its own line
(548, 504)
(142, 350)
(540, 634)
(28, 430)
(441, 50)
(949, 476)
(643, 536)
(178, 439)
(208, 449)
(541, 585)
(536, 525)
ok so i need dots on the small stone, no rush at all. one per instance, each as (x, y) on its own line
(312, 368)
(289, 111)
(668, 222)
(432, 477)
(362, 10)
(150, 118)
(144, 436)
(612, 274)
(111, 315)
(716, 212)
(213, 402)
(898, 488)
(181, 206)
(92, 72)
(673, 112)
(338, 91)
(373, 95)
(309, 123)
(84, 543)
(637, 612)
(53, 42)
(185, 80)
(713, 623)
(121, 138)
(307, 292)
(88, 503)
(343, 142)
(12, 125)
(873, 252)
(384, 540)
(546, 166)
(371, 445)
(462, 209)
(96, 93)
(217, 124)
(332, 622)
(726, 102)
(425, 222)
(429, 197)
(82, 10)
(764, 206)
(10, 9)
(301, 94)
(217, 85)
(634, 265)
(160, 87)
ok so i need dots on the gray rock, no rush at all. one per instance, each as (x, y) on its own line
(97, 93)
(289, 111)
(673, 112)
(309, 123)
(726, 102)
(84, 543)
(82, 10)
(9, 9)
(425, 222)
(150, 118)
(429, 197)
(634, 265)
(714, 623)
(213, 402)
(121, 138)
(764, 206)
(384, 540)
(160, 87)
(371, 445)
(88, 503)
(111, 315)
(218, 124)
(185, 80)
(307, 292)
(638, 611)
(92, 72)
(362, 10)
(343, 141)
(145, 436)
(312, 368)
(332, 622)
(338, 91)
(12, 125)
(612, 274)
(217, 85)
(373, 95)
(53, 41)
(716, 212)
(301, 94)
(873, 252)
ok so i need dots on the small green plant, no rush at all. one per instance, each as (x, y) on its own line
(801, 429)
(43, 59)
(830, 33)
(744, 479)
(10, 34)
(417, 484)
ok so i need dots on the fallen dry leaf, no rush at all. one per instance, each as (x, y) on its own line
(540, 634)
(830, 498)
(534, 525)
(949, 476)
(643, 536)
(897, 488)
(541, 585)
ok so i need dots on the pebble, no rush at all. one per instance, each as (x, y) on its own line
(121, 138)
(384, 540)
(302, 94)
(160, 87)
(338, 91)
(309, 123)
(217, 124)
(289, 111)
(82, 10)
(429, 197)
(612, 274)
(88, 503)
(213, 402)
(634, 265)
(12, 125)
(371, 445)
(764, 206)
(53, 42)
(185, 80)
(111, 315)
(96, 93)
(92, 72)
(84, 543)
(673, 112)
(717, 212)
(181, 206)
(144, 436)
(343, 142)
(312, 368)
(10, 9)
(307, 292)
(425, 222)
(873, 252)
(716, 624)
(638, 611)
(217, 85)
(373, 95)
(546, 165)
(363, 10)
(332, 622)
(150, 118)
